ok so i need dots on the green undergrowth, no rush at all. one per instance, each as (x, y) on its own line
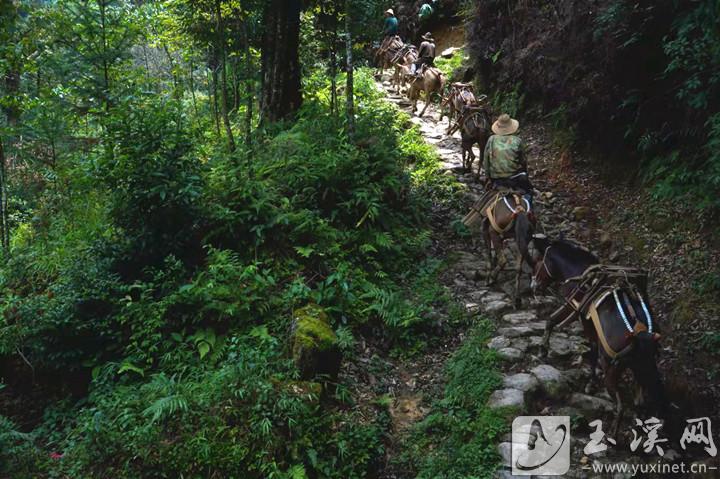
(459, 438)
(452, 66)
(170, 275)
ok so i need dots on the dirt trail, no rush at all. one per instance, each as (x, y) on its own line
(532, 385)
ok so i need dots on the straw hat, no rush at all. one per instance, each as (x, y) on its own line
(427, 36)
(505, 125)
(390, 11)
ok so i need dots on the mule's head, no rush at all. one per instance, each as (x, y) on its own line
(556, 261)
(541, 277)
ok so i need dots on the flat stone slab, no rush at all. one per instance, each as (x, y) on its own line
(505, 451)
(499, 342)
(591, 404)
(523, 381)
(472, 308)
(507, 398)
(562, 345)
(517, 331)
(497, 306)
(551, 379)
(510, 354)
(491, 296)
(521, 317)
(520, 343)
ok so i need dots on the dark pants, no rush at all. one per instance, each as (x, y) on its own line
(427, 61)
(519, 182)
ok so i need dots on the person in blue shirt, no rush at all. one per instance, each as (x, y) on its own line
(391, 23)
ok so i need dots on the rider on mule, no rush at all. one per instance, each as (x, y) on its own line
(426, 55)
(390, 28)
(504, 158)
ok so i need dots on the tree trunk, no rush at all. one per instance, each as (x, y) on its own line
(213, 97)
(223, 76)
(281, 96)
(105, 66)
(349, 98)
(249, 89)
(4, 227)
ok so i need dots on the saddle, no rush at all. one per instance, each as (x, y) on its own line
(608, 294)
(485, 208)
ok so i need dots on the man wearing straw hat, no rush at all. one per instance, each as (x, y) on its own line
(389, 30)
(426, 55)
(505, 166)
(391, 23)
(504, 158)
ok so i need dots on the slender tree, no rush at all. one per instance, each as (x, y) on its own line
(349, 87)
(220, 26)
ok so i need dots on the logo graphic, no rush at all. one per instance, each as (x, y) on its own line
(540, 445)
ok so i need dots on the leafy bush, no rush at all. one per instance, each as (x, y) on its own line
(251, 416)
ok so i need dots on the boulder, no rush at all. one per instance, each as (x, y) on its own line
(521, 317)
(507, 398)
(510, 354)
(523, 381)
(505, 451)
(580, 212)
(562, 345)
(449, 52)
(499, 342)
(591, 404)
(314, 344)
(550, 378)
(516, 331)
(497, 306)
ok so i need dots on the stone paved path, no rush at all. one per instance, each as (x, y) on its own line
(532, 385)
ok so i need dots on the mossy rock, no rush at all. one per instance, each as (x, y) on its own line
(314, 343)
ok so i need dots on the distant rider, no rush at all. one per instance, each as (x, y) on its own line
(390, 29)
(426, 55)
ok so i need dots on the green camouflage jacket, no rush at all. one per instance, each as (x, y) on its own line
(504, 156)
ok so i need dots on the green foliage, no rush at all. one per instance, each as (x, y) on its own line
(247, 417)
(172, 272)
(156, 183)
(693, 54)
(510, 101)
(452, 66)
(458, 439)
(153, 275)
(19, 458)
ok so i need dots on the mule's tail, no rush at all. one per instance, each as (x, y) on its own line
(524, 230)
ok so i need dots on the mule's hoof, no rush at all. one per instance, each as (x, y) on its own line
(543, 351)
(518, 303)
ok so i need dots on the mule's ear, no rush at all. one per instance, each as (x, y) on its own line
(656, 337)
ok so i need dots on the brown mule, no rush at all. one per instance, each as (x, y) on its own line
(431, 81)
(387, 51)
(504, 215)
(405, 58)
(612, 304)
(474, 129)
(458, 97)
